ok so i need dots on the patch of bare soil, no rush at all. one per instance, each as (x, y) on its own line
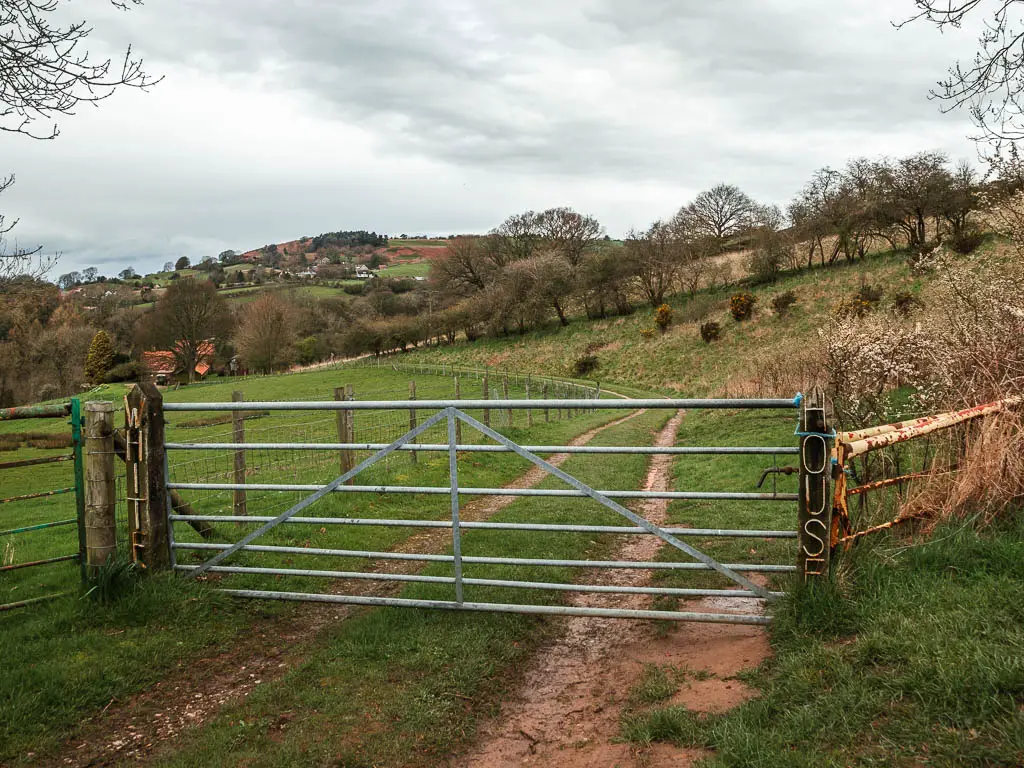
(137, 727)
(570, 701)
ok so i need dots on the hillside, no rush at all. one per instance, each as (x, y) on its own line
(768, 353)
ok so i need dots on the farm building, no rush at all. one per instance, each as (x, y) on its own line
(164, 367)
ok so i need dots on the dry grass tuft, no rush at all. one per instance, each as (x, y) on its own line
(988, 483)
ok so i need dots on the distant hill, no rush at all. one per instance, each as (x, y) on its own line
(360, 247)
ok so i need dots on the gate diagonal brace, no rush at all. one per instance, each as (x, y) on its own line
(365, 464)
(615, 507)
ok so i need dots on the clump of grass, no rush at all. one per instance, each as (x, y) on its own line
(657, 683)
(113, 580)
(987, 484)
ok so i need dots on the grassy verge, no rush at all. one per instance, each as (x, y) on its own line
(915, 656)
(399, 687)
(66, 660)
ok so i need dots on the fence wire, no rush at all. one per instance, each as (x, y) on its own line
(311, 466)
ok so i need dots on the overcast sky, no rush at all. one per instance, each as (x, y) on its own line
(277, 120)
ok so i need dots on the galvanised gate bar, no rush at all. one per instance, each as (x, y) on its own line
(451, 413)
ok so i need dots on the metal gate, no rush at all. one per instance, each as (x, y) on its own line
(453, 414)
(54, 550)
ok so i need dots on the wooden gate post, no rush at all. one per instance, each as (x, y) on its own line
(238, 436)
(815, 500)
(100, 497)
(154, 538)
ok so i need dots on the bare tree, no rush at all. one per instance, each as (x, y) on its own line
(721, 212)
(465, 267)
(554, 282)
(910, 190)
(605, 281)
(45, 72)
(19, 261)
(265, 332)
(568, 233)
(655, 258)
(516, 238)
(186, 317)
(991, 86)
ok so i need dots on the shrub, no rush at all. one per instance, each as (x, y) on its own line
(130, 371)
(710, 331)
(861, 303)
(647, 333)
(100, 358)
(782, 303)
(663, 317)
(905, 302)
(741, 306)
(869, 294)
(966, 241)
(353, 289)
(585, 365)
(765, 264)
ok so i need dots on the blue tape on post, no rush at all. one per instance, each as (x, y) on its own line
(827, 435)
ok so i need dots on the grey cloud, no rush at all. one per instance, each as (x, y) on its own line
(515, 103)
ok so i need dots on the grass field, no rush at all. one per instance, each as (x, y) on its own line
(94, 653)
(412, 242)
(408, 269)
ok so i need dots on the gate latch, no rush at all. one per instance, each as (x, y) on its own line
(776, 471)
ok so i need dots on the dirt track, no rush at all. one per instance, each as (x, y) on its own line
(568, 707)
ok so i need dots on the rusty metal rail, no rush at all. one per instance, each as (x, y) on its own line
(850, 444)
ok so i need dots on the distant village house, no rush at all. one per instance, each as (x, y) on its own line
(165, 368)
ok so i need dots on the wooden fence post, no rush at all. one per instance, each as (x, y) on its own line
(412, 416)
(238, 436)
(529, 411)
(350, 433)
(458, 422)
(486, 396)
(815, 501)
(343, 418)
(100, 496)
(547, 411)
(504, 393)
(151, 466)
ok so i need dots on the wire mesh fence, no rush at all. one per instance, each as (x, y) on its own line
(312, 465)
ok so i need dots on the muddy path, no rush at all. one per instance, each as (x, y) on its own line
(148, 722)
(570, 700)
